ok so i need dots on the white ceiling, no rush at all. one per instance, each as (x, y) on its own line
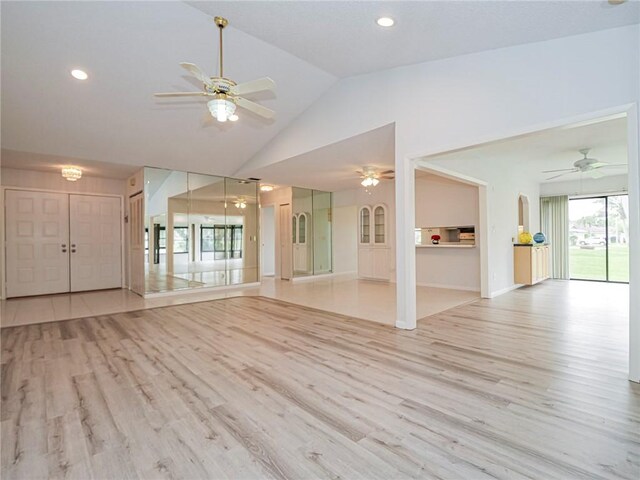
(333, 168)
(555, 149)
(131, 50)
(341, 37)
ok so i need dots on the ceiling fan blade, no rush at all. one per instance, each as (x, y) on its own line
(559, 175)
(180, 94)
(196, 72)
(594, 174)
(561, 170)
(254, 107)
(253, 86)
(598, 165)
(615, 165)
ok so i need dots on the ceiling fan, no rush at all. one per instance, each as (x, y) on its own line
(587, 165)
(225, 93)
(371, 177)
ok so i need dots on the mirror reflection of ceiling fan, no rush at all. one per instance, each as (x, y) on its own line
(590, 166)
(371, 176)
(225, 93)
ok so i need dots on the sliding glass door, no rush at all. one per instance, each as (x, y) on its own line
(598, 232)
(618, 245)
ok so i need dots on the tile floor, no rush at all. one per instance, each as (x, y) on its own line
(345, 295)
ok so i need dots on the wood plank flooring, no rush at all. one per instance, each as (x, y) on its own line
(529, 385)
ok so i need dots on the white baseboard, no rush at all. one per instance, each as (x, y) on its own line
(497, 293)
(449, 287)
(323, 276)
(191, 291)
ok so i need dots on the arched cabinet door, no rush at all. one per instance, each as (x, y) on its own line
(302, 229)
(380, 225)
(364, 230)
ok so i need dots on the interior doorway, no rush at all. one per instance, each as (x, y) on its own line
(268, 241)
(598, 238)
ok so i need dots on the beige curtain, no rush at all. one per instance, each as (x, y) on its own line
(554, 221)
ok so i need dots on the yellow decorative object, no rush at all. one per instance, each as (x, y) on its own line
(525, 238)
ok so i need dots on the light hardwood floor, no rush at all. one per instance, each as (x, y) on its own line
(529, 385)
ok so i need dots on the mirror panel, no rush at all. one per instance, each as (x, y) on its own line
(201, 230)
(321, 232)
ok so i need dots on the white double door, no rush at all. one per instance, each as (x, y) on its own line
(58, 242)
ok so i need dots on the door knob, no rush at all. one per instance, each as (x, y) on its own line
(73, 245)
(64, 250)
(64, 245)
(73, 250)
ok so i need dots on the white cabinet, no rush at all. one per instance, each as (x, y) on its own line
(373, 251)
(531, 264)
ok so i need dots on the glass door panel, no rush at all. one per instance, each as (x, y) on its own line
(618, 223)
(365, 226)
(588, 239)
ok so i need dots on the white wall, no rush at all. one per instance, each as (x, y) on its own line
(441, 105)
(505, 182)
(13, 177)
(442, 203)
(345, 238)
(384, 194)
(586, 186)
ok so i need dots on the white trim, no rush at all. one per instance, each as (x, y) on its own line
(321, 276)
(633, 155)
(502, 291)
(448, 287)
(192, 291)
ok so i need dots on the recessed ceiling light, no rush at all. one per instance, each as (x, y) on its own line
(79, 74)
(385, 21)
(266, 188)
(234, 117)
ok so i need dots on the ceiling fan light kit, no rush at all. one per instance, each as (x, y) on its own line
(221, 107)
(225, 92)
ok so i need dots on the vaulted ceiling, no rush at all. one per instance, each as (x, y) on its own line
(132, 49)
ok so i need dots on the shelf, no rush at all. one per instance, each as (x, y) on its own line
(444, 245)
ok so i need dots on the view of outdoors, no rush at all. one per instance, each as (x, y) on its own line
(598, 233)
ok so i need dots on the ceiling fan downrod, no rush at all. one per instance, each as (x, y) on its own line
(221, 22)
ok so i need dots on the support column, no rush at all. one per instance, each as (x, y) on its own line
(405, 243)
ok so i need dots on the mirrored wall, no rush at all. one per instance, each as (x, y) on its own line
(200, 230)
(311, 232)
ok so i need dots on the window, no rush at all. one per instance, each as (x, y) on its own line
(236, 241)
(206, 239)
(379, 225)
(180, 239)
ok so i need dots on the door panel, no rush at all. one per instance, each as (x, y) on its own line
(95, 242)
(37, 237)
(286, 246)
